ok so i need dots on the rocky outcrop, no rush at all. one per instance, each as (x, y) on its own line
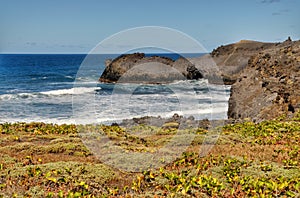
(137, 68)
(268, 86)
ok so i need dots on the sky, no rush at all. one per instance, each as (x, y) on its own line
(77, 26)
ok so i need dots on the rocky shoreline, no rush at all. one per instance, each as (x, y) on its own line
(174, 122)
(264, 76)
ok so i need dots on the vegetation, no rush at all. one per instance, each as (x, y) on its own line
(248, 160)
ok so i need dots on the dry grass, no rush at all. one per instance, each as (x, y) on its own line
(38, 160)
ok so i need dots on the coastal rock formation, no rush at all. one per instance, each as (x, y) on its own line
(138, 68)
(265, 77)
(222, 66)
(269, 85)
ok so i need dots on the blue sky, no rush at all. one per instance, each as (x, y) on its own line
(76, 26)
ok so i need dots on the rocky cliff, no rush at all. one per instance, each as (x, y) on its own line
(268, 86)
(233, 58)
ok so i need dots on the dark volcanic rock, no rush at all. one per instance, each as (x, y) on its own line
(193, 73)
(269, 86)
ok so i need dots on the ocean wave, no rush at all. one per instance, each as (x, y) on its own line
(59, 92)
(183, 86)
(72, 91)
(113, 103)
(16, 96)
(75, 83)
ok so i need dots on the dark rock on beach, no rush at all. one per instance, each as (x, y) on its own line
(268, 87)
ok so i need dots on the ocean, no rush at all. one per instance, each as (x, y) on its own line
(51, 88)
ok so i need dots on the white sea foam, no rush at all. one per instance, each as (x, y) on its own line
(57, 106)
(71, 91)
(16, 96)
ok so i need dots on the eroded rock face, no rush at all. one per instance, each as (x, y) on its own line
(269, 86)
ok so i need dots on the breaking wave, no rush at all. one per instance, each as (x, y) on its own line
(59, 92)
